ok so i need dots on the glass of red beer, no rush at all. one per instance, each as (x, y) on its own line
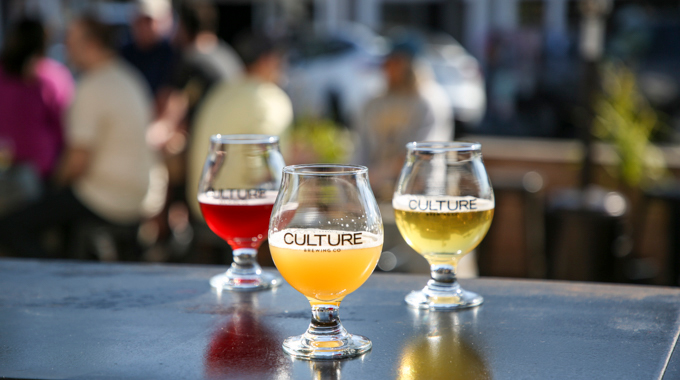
(237, 190)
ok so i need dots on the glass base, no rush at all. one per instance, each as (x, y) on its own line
(326, 338)
(449, 299)
(231, 281)
(245, 274)
(347, 347)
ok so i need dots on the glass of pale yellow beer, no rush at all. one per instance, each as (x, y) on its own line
(325, 236)
(443, 206)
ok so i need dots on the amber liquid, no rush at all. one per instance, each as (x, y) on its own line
(326, 277)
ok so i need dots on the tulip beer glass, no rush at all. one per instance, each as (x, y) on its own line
(237, 190)
(443, 207)
(325, 236)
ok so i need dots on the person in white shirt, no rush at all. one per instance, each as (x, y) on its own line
(105, 172)
(254, 104)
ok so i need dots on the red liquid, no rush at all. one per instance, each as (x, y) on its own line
(241, 226)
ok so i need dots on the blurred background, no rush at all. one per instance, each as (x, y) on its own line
(576, 104)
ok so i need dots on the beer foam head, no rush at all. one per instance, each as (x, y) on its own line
(440, 203)
(239, 197)
(305, 239)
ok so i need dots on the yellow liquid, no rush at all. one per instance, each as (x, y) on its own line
(443, 237)
(325, 277)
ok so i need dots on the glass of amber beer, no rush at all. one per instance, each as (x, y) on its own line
(237, 190)
(443, 206)
(325, 236)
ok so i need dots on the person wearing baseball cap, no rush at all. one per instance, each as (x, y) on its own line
(411, 109)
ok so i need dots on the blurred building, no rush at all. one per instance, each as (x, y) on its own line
(531, 61)
(469, 21)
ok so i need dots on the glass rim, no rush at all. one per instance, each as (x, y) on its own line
(444, 146)
(325, 169)
(243, 139)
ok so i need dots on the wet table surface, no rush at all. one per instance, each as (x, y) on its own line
(72, 320)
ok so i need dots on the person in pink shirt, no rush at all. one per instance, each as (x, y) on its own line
(35, 93)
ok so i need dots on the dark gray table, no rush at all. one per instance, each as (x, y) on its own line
(71, 320)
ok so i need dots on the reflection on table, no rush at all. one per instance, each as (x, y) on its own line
(439, 350)
(328, 369)
(243, 346)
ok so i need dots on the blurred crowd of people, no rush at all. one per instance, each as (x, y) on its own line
(125, 145)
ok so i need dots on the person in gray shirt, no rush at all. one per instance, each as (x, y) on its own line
(412, 109)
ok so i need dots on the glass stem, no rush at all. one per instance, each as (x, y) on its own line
(325, 324)
(443, 277)
(245, 262)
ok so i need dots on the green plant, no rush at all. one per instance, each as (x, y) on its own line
(624, 118)
(320, 140)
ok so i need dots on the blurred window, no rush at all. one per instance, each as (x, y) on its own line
(531, 13)
(323, 48)
(665, 42)
(445, 73)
